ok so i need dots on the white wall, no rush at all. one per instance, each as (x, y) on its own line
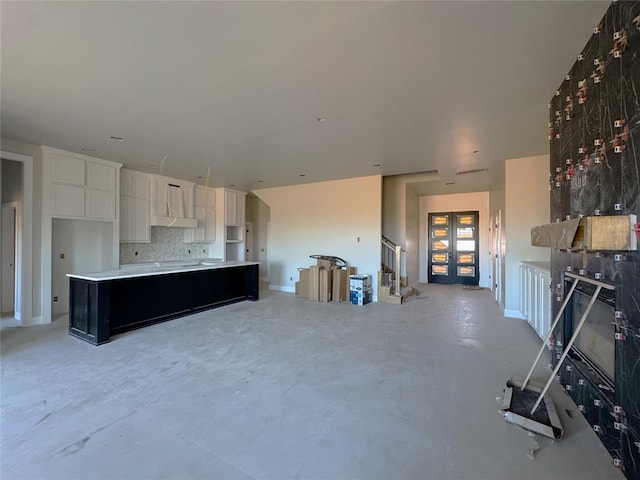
(456, 203)
(497, 207)
(526, 205)
(259, 213)
(412, 237)
(340, 218)
(86, 246)
(394, 209)
(401, 216)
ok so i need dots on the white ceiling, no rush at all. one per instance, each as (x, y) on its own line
(238, 87)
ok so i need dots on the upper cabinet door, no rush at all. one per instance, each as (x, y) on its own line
(141, 187)
(234, 208)
(159, 200)
(79, 186)
(204, 196)
(101, 177)
(67, 200)
(100, 205)
(136, 184)
(210, 225)
(230, 208)
(141, 226)
(126, 184)
(67, 170)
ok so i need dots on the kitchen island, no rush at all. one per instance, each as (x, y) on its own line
(108, 303)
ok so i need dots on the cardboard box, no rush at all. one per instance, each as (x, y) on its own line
(314, 283)
(359, 283)
(340, 290)
(323, 263)
(303, 288)
(326, 281)
(360, 298)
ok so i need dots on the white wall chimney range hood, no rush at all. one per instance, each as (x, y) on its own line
(171, 202)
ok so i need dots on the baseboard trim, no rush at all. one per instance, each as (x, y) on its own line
(509, 313)
(33, 321)
(282, 288)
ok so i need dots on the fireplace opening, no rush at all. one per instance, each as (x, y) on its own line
(594, 348)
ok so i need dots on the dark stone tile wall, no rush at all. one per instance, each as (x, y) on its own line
(594, 135)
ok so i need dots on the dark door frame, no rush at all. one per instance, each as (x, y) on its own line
(452, 260)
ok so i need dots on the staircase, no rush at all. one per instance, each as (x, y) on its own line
(390, 279)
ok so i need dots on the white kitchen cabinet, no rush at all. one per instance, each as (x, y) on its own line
(135, 193)
(100, 204)
(134, 220)
(205, 214)
(230, 225)
(535, 295)
(67, 200)
(81, 186)
(135, 184)
(67, 169)
(234, 207)
(100, 176)
(204, 196)
(80, 219)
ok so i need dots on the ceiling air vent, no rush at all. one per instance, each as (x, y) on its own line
(475, 170)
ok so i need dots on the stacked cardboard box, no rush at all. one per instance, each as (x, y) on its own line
(360, 289)
(324, 282)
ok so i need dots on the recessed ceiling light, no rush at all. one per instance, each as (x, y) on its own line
(376, 164)
(302, 175)
(321, 119)
(260, 181)
(116, 138)
(450, 183)
(200, 177)
(232, 184)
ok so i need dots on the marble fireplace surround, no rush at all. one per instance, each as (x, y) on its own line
(594, 142)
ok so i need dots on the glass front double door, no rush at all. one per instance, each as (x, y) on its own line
(453, 248)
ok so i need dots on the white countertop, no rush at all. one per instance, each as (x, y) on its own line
(160, 268)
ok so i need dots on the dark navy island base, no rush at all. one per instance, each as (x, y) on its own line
(101, 305)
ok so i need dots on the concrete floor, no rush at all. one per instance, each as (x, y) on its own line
(285, 388)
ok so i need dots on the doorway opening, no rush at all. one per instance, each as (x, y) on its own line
(453, 248)
(8, 261)
(11, 195)
(17, 186)
(248, 242)
(497, 257)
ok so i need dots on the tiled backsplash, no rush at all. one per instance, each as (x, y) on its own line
(167, 243)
